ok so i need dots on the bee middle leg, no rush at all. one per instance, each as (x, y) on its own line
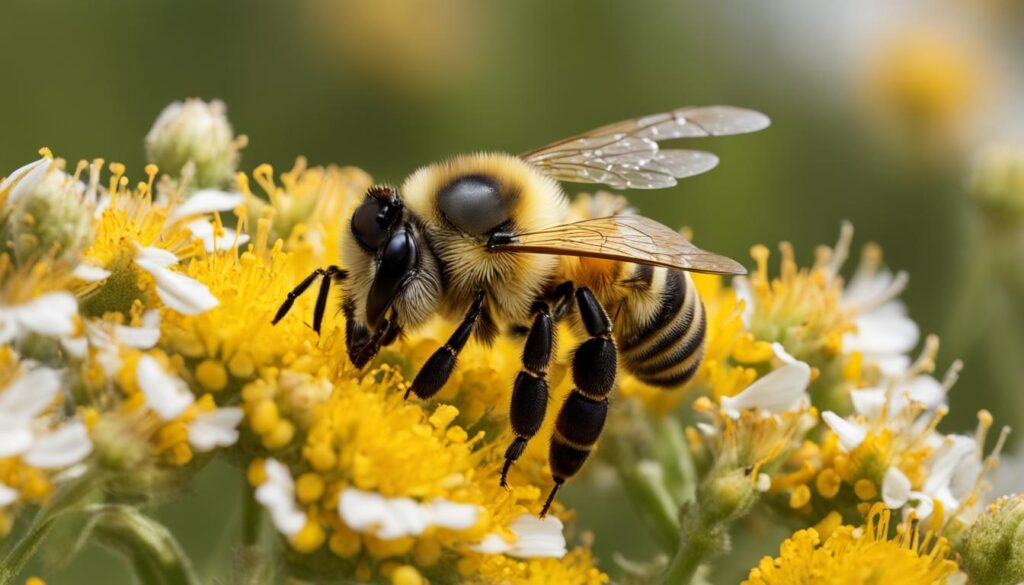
(530, 392)
(329, 274)
(582, 416)
(433, 375)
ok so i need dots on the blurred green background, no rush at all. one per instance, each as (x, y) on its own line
(878, 110)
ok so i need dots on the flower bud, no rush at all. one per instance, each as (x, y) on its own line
(199, 133)
(728, 495)
(993, 546)
(997, 183)
(45, 211)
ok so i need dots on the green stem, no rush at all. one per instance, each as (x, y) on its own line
(65, 501)
(702, 539)
(252, 517)
(152, 550)
(648, 494)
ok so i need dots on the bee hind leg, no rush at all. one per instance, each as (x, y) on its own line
(582, 416)
(433, 375)
(530, 392)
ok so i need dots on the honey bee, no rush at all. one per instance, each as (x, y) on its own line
(486, 240)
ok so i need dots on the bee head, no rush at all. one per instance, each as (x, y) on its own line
(393, 269)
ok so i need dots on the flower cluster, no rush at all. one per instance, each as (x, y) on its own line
(138, 345)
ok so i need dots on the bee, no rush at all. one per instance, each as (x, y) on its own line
(486, 240)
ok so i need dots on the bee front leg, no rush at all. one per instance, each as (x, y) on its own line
(433, 375)
(582, 415)
(329, 274)
(530, 393)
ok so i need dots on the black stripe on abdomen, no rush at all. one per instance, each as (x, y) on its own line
(668, 350)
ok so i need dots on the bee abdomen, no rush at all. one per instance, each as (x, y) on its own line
(668, 349)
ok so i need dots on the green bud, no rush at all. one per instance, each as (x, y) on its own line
(997, 183)
(727, 495)
(993, 546)
(45, 211)
(199, 133)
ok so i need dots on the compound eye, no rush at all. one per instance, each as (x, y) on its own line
(367, 226)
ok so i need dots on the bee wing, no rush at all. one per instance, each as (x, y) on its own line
(626, 154)
(629, 238)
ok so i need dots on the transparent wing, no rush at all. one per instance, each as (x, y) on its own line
(629, 238)
(626, 154)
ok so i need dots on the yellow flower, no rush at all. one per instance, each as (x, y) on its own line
(575, 568)
(858, 556)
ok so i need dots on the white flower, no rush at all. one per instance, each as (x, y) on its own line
(167, 395)
(850, 434)
(391, 518)
(204, 230)
(277, 494)
(89, 273)
(23, 178)
(205, 201)
(781, 390)
(20, 403)
(107, 336)
(534, 538)
(178, 291)
(66, 445)
(51, 314)
(210, 430)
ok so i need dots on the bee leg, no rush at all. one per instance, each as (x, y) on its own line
(582, 415)
(530, 392)
(330, 273)
(438, 368)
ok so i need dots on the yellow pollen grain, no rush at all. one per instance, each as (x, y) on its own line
(181, 454)
(282, 434)
(34, 581)
(212, 375)
(257, 473)
(800, 497)
(345, 543)
(264, 417)
(865, 489)
(427, 552)
(828, 483)
(309, 487)
(310, 538)
(321, 457)
(241, 366)
(406, 575)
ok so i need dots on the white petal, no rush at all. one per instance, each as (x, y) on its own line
(215, 429)
(945, 461)
(25, 178)
(452, 515)
(166, 395)
(9, 327)
(143, 337)
(157, 256)
(29, 394)
(895, 488)
(75, 346)
(206, 201)
(538, 537)
(779, 391)
(65, 446)
(850, 434)
(743, 293)
(926, 390)
(7, 495)
(492, 545)
(868, 402)
(883, 331)
(50, 314)
(14, 440)
(277, 495)
(90, 273)
(782, 355)
(923, 505)
(178, 291)
(386, 518)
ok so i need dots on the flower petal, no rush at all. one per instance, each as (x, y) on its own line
(850, 434)
(452, 515)
(178, 291)
(886, 330)
(90, 273)
(14, 440)
(157, 256)
(51, 314)
(204, 230)
(206, 201)
(538, 537)
(215, 429)
(29, 394)
(143, 337)
(166, 394)
(778, 391)
(277, 495)
(895, 488)
(65, 446)
(7, 495)
(24, 178)
(868, 402)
